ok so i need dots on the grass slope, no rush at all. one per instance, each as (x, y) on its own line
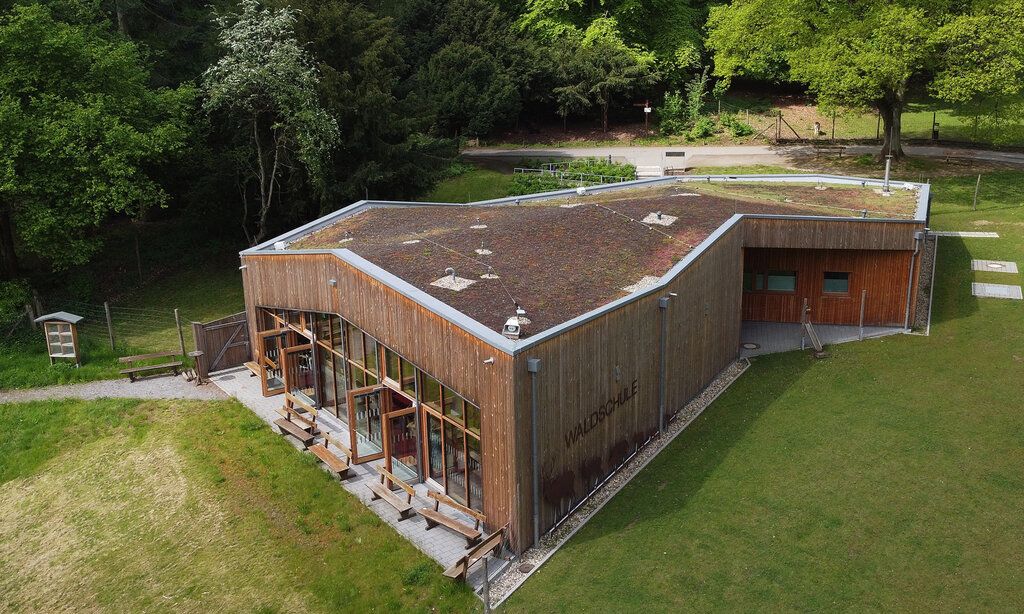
(125, 506)
(888, 476)
(470, 186)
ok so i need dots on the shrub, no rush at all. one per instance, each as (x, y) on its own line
(672, 114)
(526, 183)
(703, 128)
(13, 297)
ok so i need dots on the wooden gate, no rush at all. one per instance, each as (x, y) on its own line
(224, 342)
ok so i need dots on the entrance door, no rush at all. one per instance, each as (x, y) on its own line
(401, 437)
(435, 450)
(366, 422)
(271, 349)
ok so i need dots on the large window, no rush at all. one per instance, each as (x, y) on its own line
(770, 281)
(345, 358)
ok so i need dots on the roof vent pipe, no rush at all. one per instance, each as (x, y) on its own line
(450, 271)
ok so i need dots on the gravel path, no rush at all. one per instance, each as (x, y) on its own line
(157, 387)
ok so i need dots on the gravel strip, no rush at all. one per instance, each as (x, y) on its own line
(925, 278)
(156, 387)
(530, 561)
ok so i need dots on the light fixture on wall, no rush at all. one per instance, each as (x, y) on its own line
(489, 361)
(332, 283)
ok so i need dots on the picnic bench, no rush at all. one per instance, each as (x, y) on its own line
(460, 568)
(294, 423)
(338, 462)
(829, 148)
(135, 369)
(254, 368)
(435, 517)
(382, 490)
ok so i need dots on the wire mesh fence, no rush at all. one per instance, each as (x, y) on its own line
(132, 330)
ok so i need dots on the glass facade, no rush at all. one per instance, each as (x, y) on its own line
(392, 409)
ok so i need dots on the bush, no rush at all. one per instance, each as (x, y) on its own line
(528, 183)
(672, 114)
(13, 297)
(734, 126)
(703, 128)
(601, 166)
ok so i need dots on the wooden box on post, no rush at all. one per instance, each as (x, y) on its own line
(61, 331)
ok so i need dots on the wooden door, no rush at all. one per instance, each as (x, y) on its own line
(365, 418)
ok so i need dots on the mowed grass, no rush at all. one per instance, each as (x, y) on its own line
(889, 476)
(175, 506)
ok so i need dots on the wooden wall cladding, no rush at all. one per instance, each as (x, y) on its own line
(883, 273)
(829, 234)
(301, 281)
(598, 382)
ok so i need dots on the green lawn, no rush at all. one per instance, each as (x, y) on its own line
(470, 186)
(886, 477)
(174, 506)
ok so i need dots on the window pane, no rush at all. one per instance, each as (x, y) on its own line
(759, 282)
(371, 354)
(836, 282)
(748, 281)
(408, 378)
(339, 380)
(355, 345)
(327, 398)
(430, 391)
(452, 405)
(473, 418)
(392, 365)
(336, 337)
(454, 463)
(435, 458)
(782, 281)
(476, 473)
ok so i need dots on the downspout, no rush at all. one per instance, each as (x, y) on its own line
(533, 366)
(663, 306)
(910, 279)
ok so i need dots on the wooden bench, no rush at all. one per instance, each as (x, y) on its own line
(829, 149)
(381, 490)
(133, 371)
(434, 517)
(460, 569)
(337, 462)
(295, 424)
(254, 369)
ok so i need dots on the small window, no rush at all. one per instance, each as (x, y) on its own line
(836, 283)
(753, 281)
(781, 281)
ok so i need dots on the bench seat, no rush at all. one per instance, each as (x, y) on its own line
(435, 518)
(290, 428)
(492, 545)
(380, 491)
(132, 371)
(336, 465)
(254, 369)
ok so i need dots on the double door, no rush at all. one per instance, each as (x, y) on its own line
(384, 424)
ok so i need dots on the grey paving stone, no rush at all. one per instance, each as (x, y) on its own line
(996, 291)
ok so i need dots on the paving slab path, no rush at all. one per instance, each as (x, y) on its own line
(156, 387)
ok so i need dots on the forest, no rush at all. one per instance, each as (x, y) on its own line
(239, 119)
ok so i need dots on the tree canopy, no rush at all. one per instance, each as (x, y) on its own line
(81, 127)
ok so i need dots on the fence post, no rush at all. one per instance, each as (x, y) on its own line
(110, 324)
(977, 188)
(181, 336)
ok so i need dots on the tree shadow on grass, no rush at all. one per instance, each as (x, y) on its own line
(679, 472)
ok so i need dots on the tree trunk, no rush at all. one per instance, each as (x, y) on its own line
(8, 256)
(121, 25)
(891, 111)
(604, 116)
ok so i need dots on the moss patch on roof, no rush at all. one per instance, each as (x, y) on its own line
(560, 258)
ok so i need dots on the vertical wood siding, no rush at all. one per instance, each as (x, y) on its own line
(883, 273)
(300, 281)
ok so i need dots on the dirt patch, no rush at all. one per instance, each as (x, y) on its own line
(120, 525)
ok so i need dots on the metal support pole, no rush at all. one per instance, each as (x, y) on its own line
(181, 336)
(487, 589)
(533, 366)
(833, 125)
(110, 324)
(663, 306)
(977, 189)
(863, 299)
(888, 169)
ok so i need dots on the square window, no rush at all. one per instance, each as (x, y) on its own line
(781, 281)
(473, 418)
(453, 407)
(836, 283)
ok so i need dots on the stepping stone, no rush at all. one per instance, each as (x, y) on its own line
(996, 291)
(967, 234)
(995, 266)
